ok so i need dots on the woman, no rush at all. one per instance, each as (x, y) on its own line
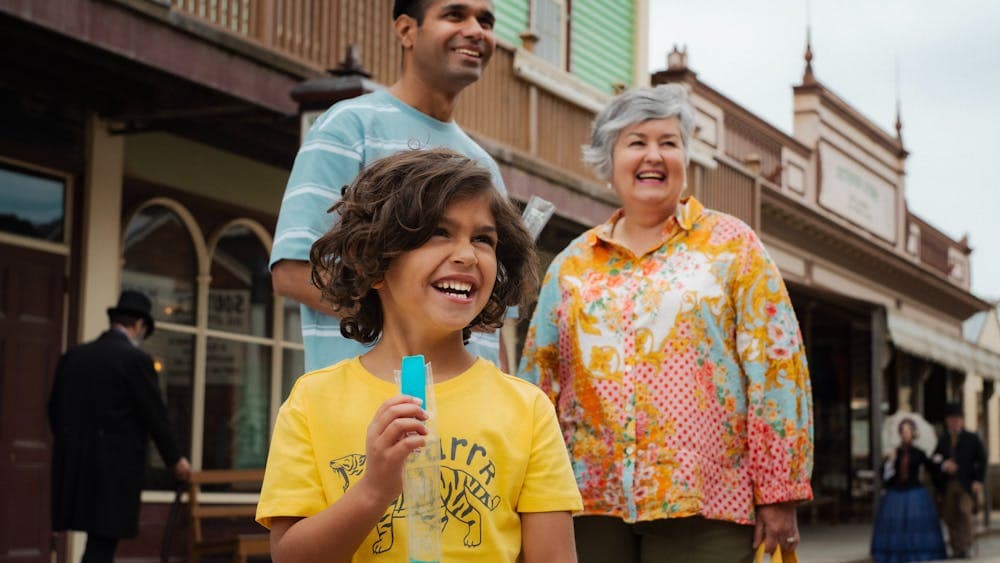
(906, 527)
(666, 338)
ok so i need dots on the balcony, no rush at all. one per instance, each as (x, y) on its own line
(938, 252)
(746, 143)
(502, 107)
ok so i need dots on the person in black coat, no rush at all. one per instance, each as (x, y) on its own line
(104, 407)
(961, 462)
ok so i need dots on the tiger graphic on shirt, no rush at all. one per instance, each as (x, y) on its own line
(462, 496)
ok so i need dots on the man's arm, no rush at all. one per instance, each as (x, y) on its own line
(325, 163)
(978, 461)
(141, 381)
(293, 279)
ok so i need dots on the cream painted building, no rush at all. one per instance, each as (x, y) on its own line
(881, 295)
(982, 402)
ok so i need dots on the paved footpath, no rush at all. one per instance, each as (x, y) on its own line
(848, 543)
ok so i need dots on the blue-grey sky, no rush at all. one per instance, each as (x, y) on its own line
(948, 57)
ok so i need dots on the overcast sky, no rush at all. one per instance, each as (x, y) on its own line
(949, 67)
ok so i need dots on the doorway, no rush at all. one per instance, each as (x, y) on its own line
(32, 287)
(837, 336)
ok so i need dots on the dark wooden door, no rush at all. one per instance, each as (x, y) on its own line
(31, 324)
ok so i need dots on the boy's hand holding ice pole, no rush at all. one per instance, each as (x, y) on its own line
(396, 430)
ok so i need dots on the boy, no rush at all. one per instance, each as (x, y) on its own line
(425, 250)
(446, 46)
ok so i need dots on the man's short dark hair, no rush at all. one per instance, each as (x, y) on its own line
(416, 9)
(396, 205)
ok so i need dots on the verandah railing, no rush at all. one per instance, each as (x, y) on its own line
(498, 107)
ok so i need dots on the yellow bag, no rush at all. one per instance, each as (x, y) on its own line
(776, 557)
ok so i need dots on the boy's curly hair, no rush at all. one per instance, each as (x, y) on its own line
(394, 206)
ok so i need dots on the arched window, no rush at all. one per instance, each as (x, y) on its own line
(239, 350)
(161, 260)
(226, 353)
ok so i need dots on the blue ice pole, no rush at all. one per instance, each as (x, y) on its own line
(421, 475)
(413, 378)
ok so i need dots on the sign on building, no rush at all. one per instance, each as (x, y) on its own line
(857, 194)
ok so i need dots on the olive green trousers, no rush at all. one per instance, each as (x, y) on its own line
(606, 539)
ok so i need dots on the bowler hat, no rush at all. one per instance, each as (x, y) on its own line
(134, 303)
(953, 409)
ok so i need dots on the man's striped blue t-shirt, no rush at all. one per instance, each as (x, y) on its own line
(344, 140)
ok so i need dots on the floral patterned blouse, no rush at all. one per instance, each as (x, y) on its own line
(679, 376)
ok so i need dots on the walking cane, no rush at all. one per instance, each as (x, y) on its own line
(168, 530)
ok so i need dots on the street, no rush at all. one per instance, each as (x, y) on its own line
(848, 543)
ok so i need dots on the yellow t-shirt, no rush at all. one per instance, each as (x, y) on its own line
(502, 454)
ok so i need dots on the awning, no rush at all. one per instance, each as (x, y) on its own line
(952, 351)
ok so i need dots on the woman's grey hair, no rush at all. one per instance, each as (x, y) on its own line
(632, 107)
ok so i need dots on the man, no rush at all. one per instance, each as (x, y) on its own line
(105, 405)
(446, 46)
(961, 462)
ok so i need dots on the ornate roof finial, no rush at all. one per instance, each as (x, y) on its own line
(807, 77)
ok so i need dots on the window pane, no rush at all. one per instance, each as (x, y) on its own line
(160, 261)
(237, 391)
(293, 364)
(31, 205)
(240, 298)
(549, 28)
(173, 357)
(293, 321)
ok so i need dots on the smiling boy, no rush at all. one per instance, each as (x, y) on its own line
(446, 46)
(426, 250)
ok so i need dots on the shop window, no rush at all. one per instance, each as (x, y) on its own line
(293, 321)
(160, 261)
(550, 25)
(293, 365)
(293, 361)
(240, 298)
(223, 372)
(237, 391)
(32, 205)
(173, 359)
(237, 365)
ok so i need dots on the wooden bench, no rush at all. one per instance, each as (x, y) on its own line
(241, 546)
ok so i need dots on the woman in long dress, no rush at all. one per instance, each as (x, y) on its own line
(906, 527)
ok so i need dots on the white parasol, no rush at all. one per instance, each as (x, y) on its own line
(926, 438)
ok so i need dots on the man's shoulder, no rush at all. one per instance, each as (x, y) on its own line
(109, 345)
(357, 112)
(971, 435)
(463, 142)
